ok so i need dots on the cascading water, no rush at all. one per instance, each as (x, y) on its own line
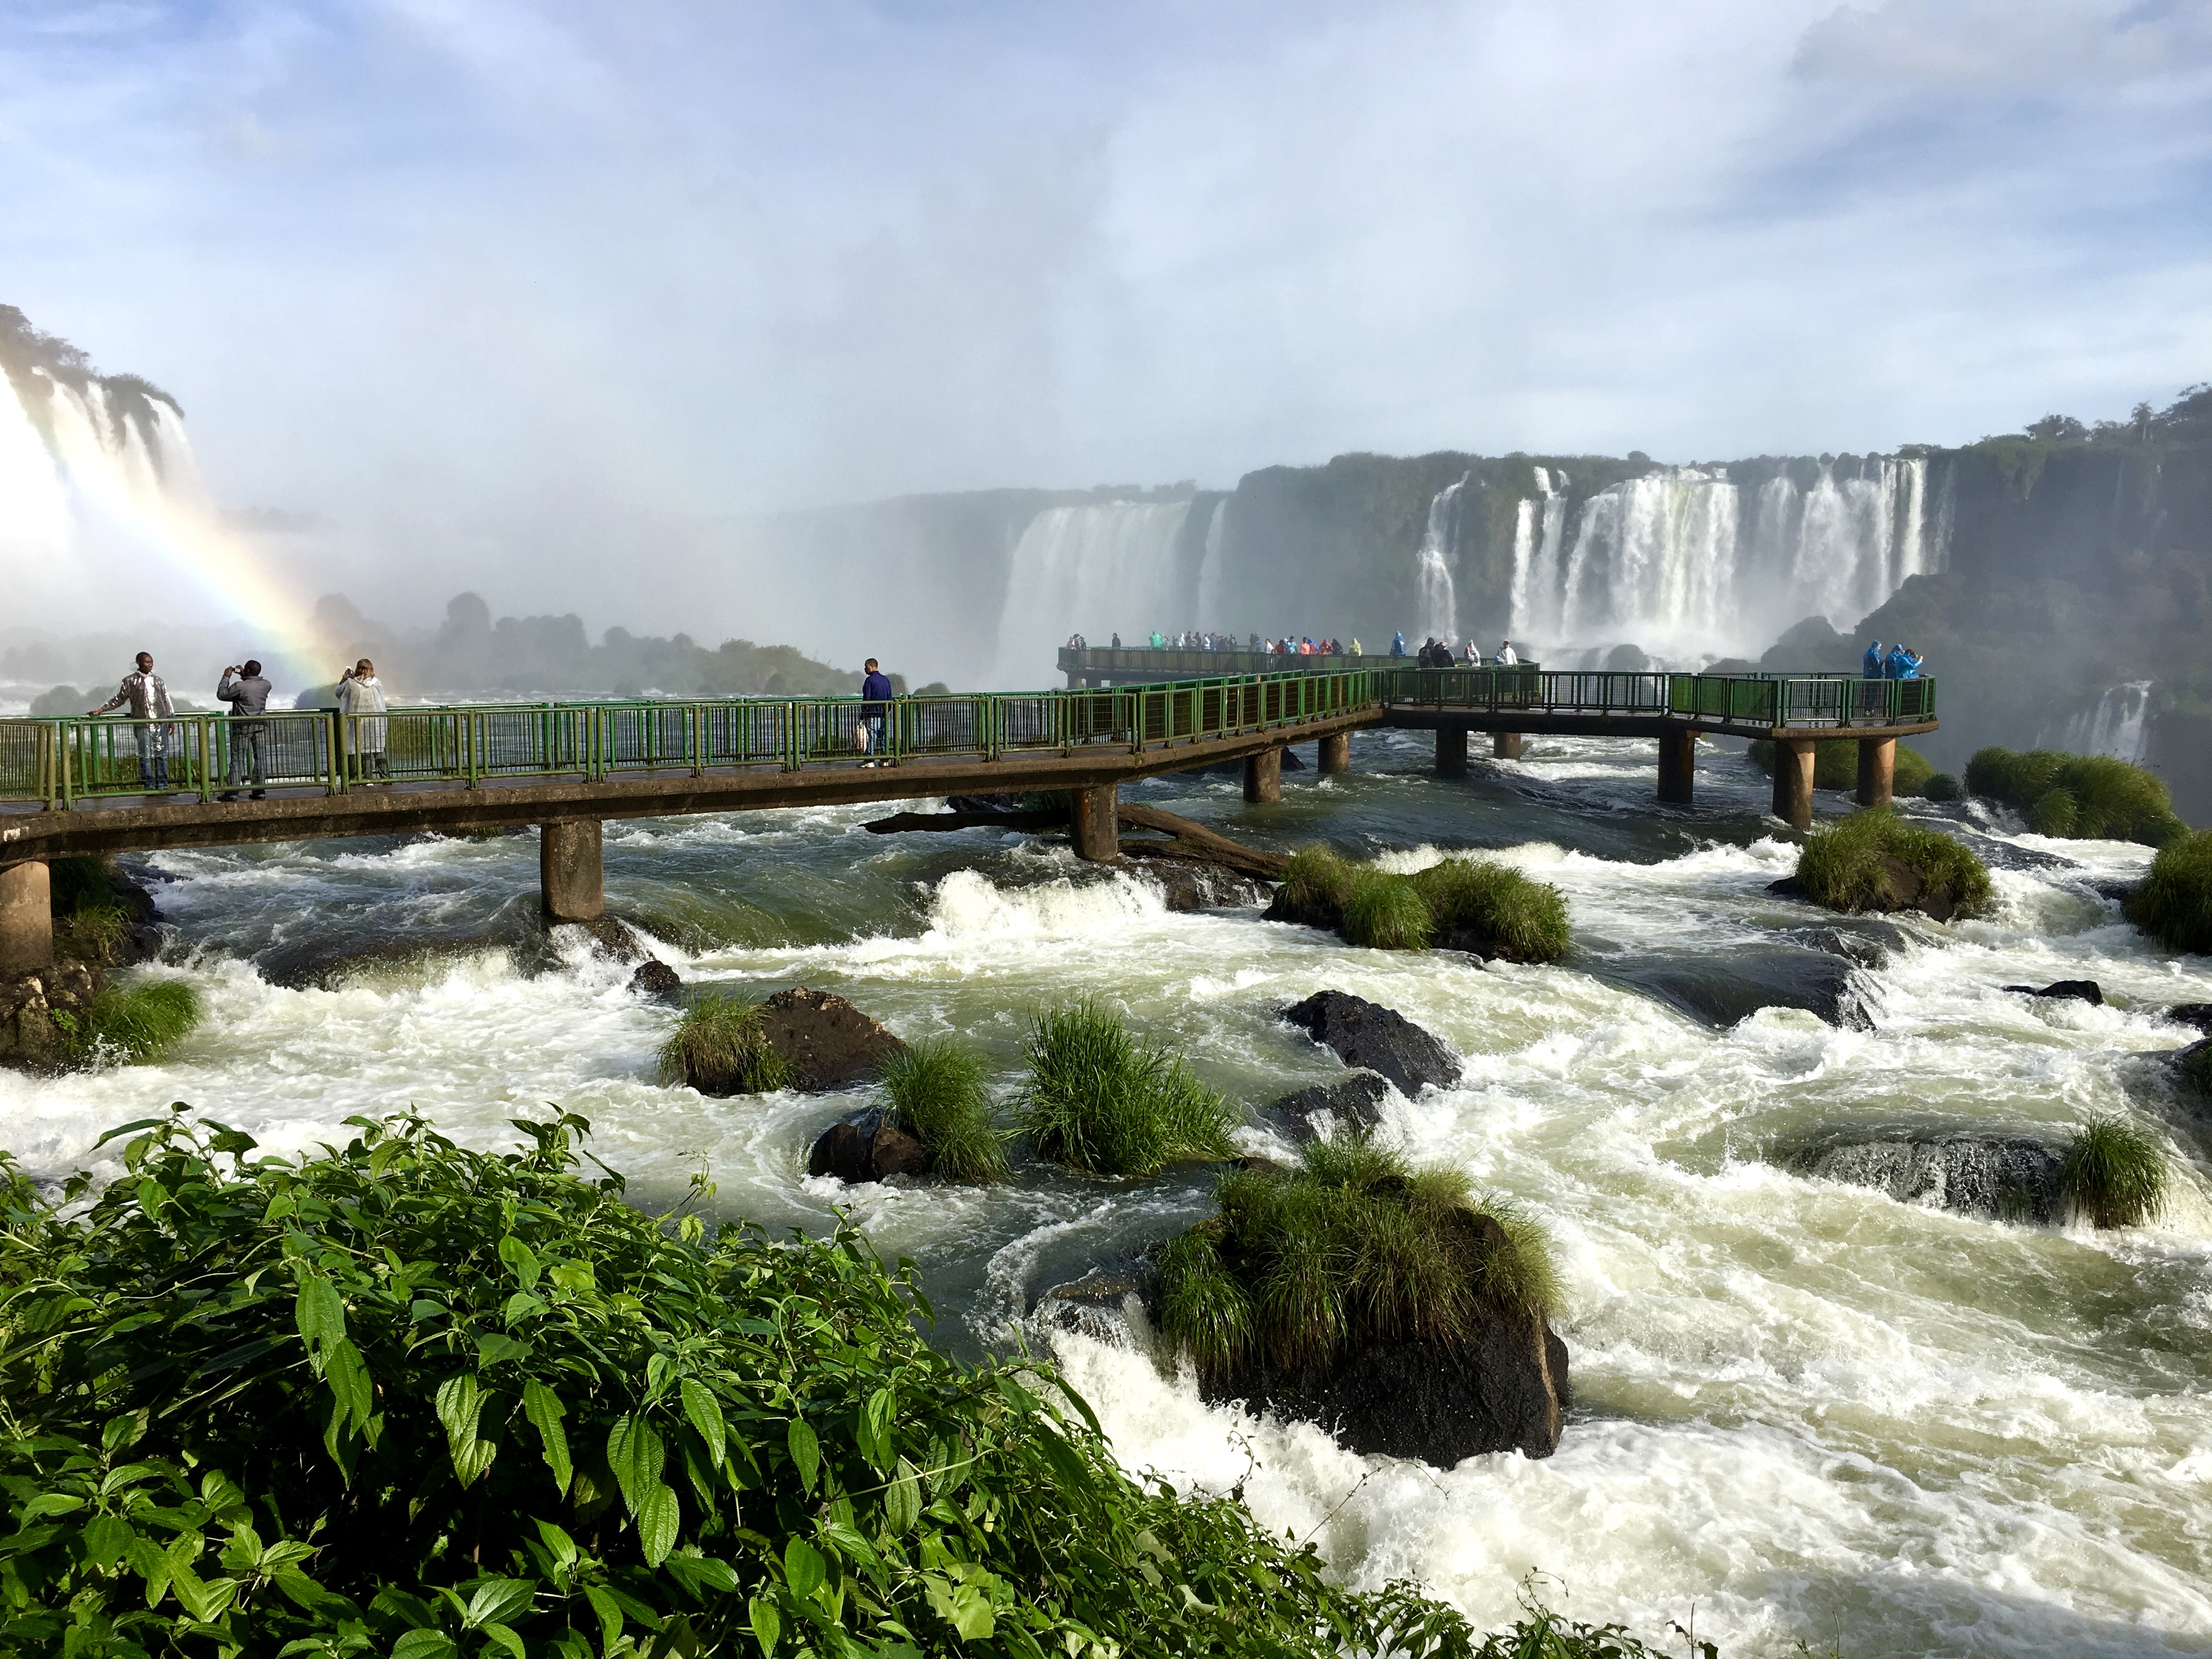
(1692, 564)
(1432, 567)
(1093, 569)
(2114, 726)
(1209, 595)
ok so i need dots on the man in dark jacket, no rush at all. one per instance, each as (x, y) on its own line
(247, 694)
(877, 689)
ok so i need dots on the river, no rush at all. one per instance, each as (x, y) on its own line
(1805, 1410)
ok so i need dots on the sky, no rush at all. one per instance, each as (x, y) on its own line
(512, 293)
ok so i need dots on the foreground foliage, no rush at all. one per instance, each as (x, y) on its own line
(938, 1093)
(408, 1400)
(720, 1045)
(130, 1023)
(1352, 1246)
(2174, 904)
(1850, 865)
(2077, 797)
(1099, 1101)
(2117, 1175)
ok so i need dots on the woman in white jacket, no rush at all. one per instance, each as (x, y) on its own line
(360, 710)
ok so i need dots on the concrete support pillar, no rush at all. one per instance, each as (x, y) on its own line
(1451, 751)
(1336, 754)
(1505, 745)
(1678, 766)
(27, 921)
(571, 880)
(1094, 825)
(1793, 782)
(1877, 770)
(1263, 777)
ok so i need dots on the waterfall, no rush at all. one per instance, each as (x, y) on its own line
(1431, 567)
(1692, 564)
(1089, 569)
(1209, 567)
(2114, 726)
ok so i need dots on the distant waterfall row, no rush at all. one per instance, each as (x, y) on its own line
(1690, 563)
(2115, 724)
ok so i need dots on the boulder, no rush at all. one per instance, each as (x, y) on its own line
(1721, 987)
(1868, 943)
(1099, 1304)
(1188, 884)
(2193, 1065)
(1355, 1104)
(29, 1040)
(2066, 990)
(1902, 886)
(655, 978)
(867, 1147)
(1378, 1039)
(1999, 1176)
(2198, 1014)
(612, 940)
(828, 1041)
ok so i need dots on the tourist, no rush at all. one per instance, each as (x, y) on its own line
(1908, 663)
(1473, 655)
(1871, 663)
(1506, 656)
(1893, 665)
(1355, 645)
(1117, 640)
(148, 699)
(877, 691)
(361, 718)
(247, 694)
(1397, 645)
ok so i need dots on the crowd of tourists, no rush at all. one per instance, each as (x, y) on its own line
(1432, 653)
(1901, 662)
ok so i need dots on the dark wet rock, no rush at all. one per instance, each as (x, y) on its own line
(1902, 886)
(1789, 887)
(1186, 885)
(1099, 1304)
(613, 940)
(2002, 1177)
(655, 978)
(1868, 943)
(29, 1039)
(828, 1041)
(2193, 1068)
(1367, 1034)
(1315, 913)
(1354, 1104)
(2198, 1014)
(1719, 988)
(1505, 1389)
(867, 1147)
(2065, 990)
(2111, 887)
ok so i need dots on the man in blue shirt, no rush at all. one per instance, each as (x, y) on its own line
(877, 689)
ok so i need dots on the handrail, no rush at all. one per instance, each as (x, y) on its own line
(1759, 702)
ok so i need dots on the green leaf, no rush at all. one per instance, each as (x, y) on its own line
(544, 1410)
(424, 1644)
(704, 1412)
(519, 1259)
(805, 1452)
(767, 1623)
(498, 1635)
(492, 1347)
(636, 1454)
(106, 1538)
(321, 1316)
(658, 1518)
(460, 1404)
(902, 1500)
(347, 1375)
(51, 1503)
(804, 1567)
(611, 1617)
(498, 1600)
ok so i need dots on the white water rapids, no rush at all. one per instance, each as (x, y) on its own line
(1804, 1409)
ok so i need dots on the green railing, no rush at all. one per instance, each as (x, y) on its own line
(61, 761)
(1761, 701)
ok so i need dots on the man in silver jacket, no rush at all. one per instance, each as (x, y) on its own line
(148, 699)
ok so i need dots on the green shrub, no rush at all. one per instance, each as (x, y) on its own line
(1512, 915)
(1842, 865)
(1909, 776)
(1387, 913)
(2055, 813)
(720, 1045)
(1317, 878)
(134, 1023)
(938, 1092)
(405, 1398)
(2116, 1174)
(1099, 1101)
(93, 933)
(2085, 796)
(1351, 1246)
(78, 883)
(2174, 904)
(1942, 786)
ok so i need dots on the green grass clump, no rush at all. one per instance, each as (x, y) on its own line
(134, 1022)
(1514, 917)
(403, 1398)
(2117, 1175)
(1942, 786)
(1317, 878)
(1841, 864)
(938, 1093)
(1099, 1101)
(93, 933)
(2174, 904)
(720, 1046)
(1350, 1246)
(1388, 913)
(2080, 797)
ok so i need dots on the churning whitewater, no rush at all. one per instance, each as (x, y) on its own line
(1805, 1409)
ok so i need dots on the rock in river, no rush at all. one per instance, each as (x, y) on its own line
(1355, 1104)
(867, 1147)
(2002, 1177)
(828, 1041)
(1366, 1033)
(2065, 990)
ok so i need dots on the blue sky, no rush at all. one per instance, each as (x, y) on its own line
(487, 286)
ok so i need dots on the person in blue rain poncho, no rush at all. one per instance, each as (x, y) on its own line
(1873, 668)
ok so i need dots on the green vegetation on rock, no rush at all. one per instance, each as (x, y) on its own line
(1875, 860)
(939, 1094)
(1350, 1246)
(130, 1022)
(405, 1398)
(1516, 918)
(1317, 877)
(1099, 1101)
(1457, 904)
(1836, 766)
(720, 1045)
(2174, 904)
(2080, 797)
(1388, 913)
(2117, 1175)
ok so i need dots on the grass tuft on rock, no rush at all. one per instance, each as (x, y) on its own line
(1942, 787)
(720, 1045)
(131, 1023)
(1099, 1101)
(1850, 864)
(1388, 913)
(1318, 877)
(2077, 797)
(92, 934)
(2174, 904)
(1351, 1246)
(2117, 1175)
(1458, 903)
(939, 1093)
(1518, 918)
